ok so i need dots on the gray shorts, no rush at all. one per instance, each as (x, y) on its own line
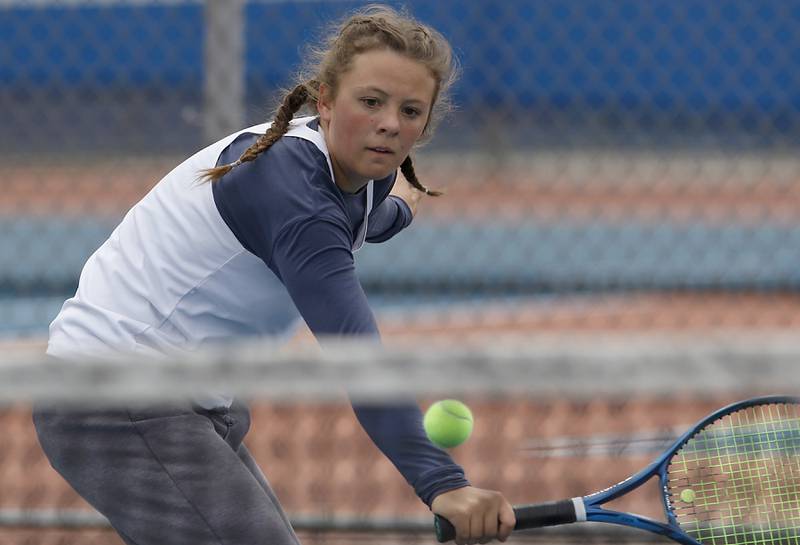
(167, 476)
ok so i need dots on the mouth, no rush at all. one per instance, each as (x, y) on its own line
(382, 150)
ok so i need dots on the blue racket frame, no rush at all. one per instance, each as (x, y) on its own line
(588, 508)
(671, 529)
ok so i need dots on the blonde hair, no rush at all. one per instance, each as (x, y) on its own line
(372, 28)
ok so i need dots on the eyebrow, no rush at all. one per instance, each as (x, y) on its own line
(380, 91)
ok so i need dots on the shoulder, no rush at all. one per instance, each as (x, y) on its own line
(288, 184)
(287, 155)
(292, 172)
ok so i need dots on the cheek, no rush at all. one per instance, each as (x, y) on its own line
(350, 129)
(411, 134)
(348, 120)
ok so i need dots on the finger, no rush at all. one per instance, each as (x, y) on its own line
(475, 528)
(507, 521)
(490, 522)
(462, 530)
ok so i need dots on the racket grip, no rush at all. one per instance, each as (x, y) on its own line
(528, 516)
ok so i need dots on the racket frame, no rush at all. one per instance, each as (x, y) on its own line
(659, 467)
(588, 508)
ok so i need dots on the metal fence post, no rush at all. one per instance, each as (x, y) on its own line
(223, 108)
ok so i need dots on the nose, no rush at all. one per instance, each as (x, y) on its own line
(389, 123)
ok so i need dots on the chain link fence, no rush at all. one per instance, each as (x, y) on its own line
(605, 154)
(611, 165)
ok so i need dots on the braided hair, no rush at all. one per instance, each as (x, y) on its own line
(292, 102)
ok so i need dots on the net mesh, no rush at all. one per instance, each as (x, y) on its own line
(541, 431)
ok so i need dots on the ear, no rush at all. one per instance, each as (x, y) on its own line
(325, 104)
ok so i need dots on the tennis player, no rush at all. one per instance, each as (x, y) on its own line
(265, 239)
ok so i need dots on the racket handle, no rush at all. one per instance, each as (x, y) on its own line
(528, 516)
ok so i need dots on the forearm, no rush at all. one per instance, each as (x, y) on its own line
(391, 217)
(397, 431)
(319, 273)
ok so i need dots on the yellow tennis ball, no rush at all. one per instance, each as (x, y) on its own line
(448, 423)
(687, 495)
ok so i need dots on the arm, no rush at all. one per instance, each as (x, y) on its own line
(392, 216)
(316, 265)
(405, 191)
(395, 213)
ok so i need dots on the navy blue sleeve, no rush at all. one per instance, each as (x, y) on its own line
(389, 218)
(318, 270)
(312, 256)
(397, 431)
(284, 208)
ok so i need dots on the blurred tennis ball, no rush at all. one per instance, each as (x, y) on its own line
(448, 423)
(687, 495)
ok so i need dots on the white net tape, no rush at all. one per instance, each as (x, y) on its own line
(580, 366)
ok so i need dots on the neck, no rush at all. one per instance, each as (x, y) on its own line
(344, 182)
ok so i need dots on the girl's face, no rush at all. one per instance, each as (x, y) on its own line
(380, 110)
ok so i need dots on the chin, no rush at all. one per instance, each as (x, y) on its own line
(376, 170)
(378, 173)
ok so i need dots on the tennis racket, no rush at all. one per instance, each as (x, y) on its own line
(733, 479)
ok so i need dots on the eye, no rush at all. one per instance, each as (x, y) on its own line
(411, 112)
(370, 102)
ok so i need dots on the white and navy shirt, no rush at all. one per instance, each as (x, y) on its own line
(273, 240)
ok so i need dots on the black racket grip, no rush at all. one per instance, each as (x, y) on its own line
(528, 516)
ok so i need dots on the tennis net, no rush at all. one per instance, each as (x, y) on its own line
(557, 416)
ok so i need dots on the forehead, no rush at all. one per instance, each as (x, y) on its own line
(392, 73)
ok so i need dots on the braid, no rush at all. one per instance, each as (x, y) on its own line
(407, 168)
(295, 100)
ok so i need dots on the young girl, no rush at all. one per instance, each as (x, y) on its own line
(270, 232)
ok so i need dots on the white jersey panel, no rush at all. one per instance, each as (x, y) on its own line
(172, 276)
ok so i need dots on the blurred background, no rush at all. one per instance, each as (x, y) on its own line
(614, 168)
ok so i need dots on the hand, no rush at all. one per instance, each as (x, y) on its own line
(407, 192)
(478, 515)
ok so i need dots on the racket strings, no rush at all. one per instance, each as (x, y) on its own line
(737, 481)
